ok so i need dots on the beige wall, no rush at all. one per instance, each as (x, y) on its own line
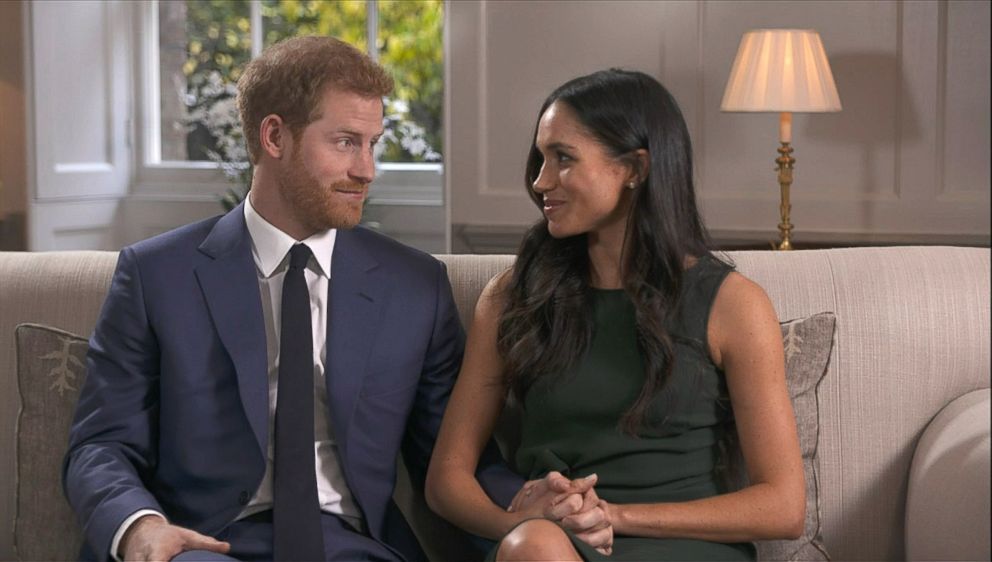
(904, 162)
(13, 158)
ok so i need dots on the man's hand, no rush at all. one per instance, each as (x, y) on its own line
(151, 538)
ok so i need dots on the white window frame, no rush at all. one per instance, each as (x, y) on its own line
(418, 184)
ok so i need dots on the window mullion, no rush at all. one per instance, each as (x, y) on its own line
(372, 28)
(151, 151)
(256, 27)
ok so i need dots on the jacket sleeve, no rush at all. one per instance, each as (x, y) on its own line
(441, 366)
(113, 438)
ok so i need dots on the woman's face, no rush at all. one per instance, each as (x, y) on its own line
(583, 187)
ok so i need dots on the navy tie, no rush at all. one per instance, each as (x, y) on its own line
(296, 527)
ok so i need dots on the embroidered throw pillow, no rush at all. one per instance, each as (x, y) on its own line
(50, 371)
(808, 343)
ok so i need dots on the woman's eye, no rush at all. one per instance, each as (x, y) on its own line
(562, 157)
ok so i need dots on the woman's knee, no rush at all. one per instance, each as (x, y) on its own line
(536, 539)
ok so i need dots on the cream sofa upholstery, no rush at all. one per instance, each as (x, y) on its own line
(910, 357)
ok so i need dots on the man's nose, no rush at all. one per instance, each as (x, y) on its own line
(363, 167)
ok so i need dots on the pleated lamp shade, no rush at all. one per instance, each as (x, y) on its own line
(781, 70)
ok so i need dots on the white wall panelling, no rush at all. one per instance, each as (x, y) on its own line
(74, 225)
(905, 161)
(79, 119)
(505, 58)
(964, 52)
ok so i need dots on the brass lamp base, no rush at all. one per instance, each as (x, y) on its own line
(785, 163)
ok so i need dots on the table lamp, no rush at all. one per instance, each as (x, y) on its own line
(782, 71)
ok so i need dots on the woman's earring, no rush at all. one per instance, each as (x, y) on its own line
(631, 185)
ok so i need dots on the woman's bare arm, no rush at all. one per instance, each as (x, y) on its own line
(476, 402)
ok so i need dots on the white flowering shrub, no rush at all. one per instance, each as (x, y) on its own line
(210, 102)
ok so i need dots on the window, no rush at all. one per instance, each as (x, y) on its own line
(198, 49)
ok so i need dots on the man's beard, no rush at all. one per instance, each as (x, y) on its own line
(314, 205)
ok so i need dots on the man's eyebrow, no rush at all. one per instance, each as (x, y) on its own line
(355, 133)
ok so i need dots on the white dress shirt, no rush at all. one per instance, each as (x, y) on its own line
(270, 250)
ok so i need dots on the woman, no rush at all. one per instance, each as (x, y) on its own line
(631, 348)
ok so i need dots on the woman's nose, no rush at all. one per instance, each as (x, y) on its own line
(543, 182)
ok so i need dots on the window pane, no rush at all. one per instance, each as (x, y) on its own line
(204, 45)
(410, 45)
(344, 19)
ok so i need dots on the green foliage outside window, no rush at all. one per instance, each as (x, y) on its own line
(410, 46)
(344, 19)
(218, 45)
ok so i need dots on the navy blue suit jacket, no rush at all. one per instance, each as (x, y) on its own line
(173, 415)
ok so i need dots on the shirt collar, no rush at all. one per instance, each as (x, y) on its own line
(270, 245)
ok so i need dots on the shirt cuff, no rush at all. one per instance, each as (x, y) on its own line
(116, 543)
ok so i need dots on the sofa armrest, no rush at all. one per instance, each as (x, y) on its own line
(947, 504)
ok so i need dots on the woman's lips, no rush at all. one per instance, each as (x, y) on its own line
(552, 205)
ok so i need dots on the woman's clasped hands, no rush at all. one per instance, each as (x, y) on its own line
(573, 504)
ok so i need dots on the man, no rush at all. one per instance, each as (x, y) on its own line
(253, 377)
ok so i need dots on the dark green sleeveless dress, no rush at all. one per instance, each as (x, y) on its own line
(570, 423)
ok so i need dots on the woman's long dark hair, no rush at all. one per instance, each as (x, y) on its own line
(547, 325)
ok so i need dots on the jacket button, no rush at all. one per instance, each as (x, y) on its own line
(244, 497)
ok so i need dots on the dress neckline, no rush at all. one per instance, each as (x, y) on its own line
(698, 266)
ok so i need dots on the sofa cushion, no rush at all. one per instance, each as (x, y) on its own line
(808, 344)
(50, 372)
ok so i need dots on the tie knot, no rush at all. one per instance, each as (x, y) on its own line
(299, 255)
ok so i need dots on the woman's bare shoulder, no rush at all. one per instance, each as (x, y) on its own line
(741, 313)
(494, 295)
(738, 293)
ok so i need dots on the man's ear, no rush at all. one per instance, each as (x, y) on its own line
(274, 136)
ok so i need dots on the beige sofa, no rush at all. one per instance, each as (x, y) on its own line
(903, 448)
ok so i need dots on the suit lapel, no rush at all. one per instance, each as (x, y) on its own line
(355, 299)
(230, 288)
